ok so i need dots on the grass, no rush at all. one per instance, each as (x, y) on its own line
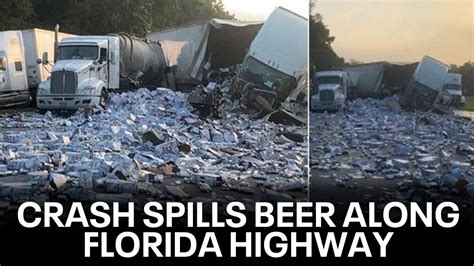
(469, 105)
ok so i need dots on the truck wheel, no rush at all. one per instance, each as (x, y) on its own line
(103, 98)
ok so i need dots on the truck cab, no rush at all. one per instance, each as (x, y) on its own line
(270, 70)
(330, 90)
(453, 87)
(271, 83)
(86, 68)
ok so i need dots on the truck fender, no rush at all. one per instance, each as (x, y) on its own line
(97, 84)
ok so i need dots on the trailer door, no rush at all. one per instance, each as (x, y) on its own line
(104, 66)
(3, 70)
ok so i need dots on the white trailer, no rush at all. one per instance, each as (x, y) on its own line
(431, 73)
(20, 73)
(277, 57)
(426, 86)
(367, 79)
(198, 48)
(13, 81)
(37, 42)
(282, 43)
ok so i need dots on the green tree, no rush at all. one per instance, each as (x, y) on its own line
(108, 16)
(467, 71)
(322, 56)
(16, 15)
(135, 17)
(186, 11)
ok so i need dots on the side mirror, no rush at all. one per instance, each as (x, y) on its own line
(95, 65)
(45, 60)
(113, 58)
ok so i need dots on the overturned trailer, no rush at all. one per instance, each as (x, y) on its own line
(379, 79)
(196, 49)
(276, 60)
(396, 77)
(367, 79)
(420, 85)
(426, 88)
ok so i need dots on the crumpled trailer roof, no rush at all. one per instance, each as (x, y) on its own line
(223, 43)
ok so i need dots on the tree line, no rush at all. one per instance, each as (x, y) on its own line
(136, 17)
(322, 56)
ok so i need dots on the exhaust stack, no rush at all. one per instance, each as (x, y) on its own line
(56, 41)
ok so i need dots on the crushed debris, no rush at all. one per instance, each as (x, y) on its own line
(426, 154)
(152, 141)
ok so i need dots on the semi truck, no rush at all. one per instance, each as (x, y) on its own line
(330, 90)
(20, 73)
(88, 67)
(426, 87)
(277, 57)
(453, 87)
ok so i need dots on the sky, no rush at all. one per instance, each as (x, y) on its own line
(401, 30)
(257, 10)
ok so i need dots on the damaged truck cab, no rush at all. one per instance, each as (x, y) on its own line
(88, 67)
(276, 59)
(426, 88)
(274, 86)
(330, 90)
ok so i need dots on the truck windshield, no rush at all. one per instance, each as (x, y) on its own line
(261, 74)
(452, 87)
(329, 80)
(78, 52)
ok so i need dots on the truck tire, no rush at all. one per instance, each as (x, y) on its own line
(104, 97)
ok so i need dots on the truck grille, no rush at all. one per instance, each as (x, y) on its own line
(63, 82)
(326, 96)
(456, 99)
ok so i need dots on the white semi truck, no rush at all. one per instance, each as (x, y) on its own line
(330, 90)
(277, 57)
(88, 67)
(20, 72)
(453, 86)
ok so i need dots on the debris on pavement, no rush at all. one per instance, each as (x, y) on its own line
(425, 153)
(150, 140)
(206, 100)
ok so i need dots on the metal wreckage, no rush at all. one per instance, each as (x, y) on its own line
(209, 140)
